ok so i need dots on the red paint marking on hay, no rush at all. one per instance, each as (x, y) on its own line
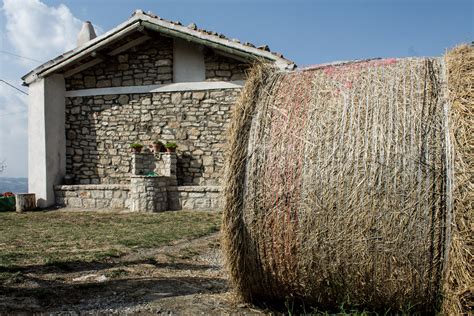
(344, 75)
(284, 152)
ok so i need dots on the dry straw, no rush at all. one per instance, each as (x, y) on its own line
(459, 284)
(339, 186)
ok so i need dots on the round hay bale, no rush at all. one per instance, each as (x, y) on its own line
(339, 187)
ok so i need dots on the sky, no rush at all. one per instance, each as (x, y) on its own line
(306, 31)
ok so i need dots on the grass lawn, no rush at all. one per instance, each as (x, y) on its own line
(56, 237)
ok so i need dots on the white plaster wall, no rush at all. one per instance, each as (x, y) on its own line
(36, 139)
(46, 137)
(188, 62)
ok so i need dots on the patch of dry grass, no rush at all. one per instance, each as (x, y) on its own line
(39, 238)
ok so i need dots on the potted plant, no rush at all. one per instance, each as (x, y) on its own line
(171, 147)
(136, 147)
(157, 146)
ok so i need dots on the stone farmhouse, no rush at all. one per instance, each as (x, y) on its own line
(144, 80)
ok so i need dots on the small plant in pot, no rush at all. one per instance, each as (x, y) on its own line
(136, 147)
(157, 146)
(171, 147)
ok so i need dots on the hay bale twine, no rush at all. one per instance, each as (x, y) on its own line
(339, 186)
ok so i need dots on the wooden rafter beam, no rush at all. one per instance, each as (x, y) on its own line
(99, 57)
(129, 45)
(82, 67)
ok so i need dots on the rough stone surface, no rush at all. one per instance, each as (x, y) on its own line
(220, 68)
(151, 194)
(194, 198)
(148, 194)
(166, 166)
(93, 196)
(143, 163)
(100, 129)
(146, 64)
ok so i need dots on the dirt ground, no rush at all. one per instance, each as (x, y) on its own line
(183, 278)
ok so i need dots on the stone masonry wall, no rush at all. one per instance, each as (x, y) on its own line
(151, 63)
(121, 196)
(112, 196)
(99, 130)
(146, 64)
(154, 192)
(148, 194)
(143, 163)
(194, 198)
(220, 68)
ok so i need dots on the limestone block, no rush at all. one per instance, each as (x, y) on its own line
(70, 193)
(176, 98)
(165, 70)
(163, 77)
(104, 83)
(110, 97)
(108, 194)
(117, 203)
(75, 202)
(163, 62)
(97, 194)
(196, 194)
(123, 66)
(208, 161)
(89, 203)
(199, 95)
(223, 73)
(202, 204)
(123, 99)
(102, 203)
(188, 204)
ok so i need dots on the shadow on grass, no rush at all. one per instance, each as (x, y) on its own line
(78, 266)
(29, 292)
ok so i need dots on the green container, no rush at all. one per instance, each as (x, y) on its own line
(7, 204)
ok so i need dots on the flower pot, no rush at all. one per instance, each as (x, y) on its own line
(137, 150)
(171, 150)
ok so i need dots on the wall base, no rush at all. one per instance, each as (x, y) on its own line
(118, 196)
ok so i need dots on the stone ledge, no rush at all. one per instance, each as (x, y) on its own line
(75, 187)
(149, 194)
(147, 177)
(170, 87)
(192, 188)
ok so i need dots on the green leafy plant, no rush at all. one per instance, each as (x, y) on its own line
(136, 146)
(171, 145)
(157, 142)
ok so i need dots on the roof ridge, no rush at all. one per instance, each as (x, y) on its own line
(156, 23)
(193, 26)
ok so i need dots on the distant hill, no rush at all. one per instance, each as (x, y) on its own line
(15, 185)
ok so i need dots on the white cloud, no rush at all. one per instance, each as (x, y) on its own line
(38, 31)
(13, 131)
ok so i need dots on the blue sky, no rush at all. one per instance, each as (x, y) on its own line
(312, 31)
(308, 32)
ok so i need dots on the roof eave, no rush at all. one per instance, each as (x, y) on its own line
(71, 56)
